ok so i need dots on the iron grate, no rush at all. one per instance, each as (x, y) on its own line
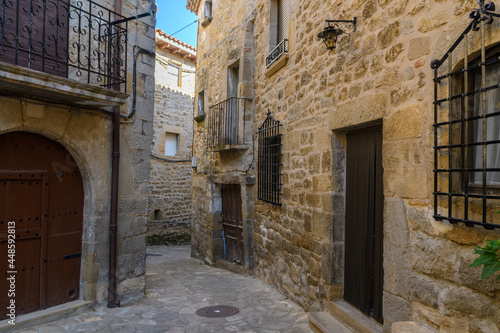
(217, 311)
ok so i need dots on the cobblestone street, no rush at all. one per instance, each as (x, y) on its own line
(177, 286)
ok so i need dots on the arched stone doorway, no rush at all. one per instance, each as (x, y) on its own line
(41, 191)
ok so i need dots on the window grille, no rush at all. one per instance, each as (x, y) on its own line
(269, 174)
(80, 40)
(467, 128)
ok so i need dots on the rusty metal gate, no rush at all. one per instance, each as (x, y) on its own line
(41, 191)
(363, 278)
(232, 224)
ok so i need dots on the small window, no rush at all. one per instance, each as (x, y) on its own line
(171, 144)
(201, 103)
(269, 162)
(174, 71)
(207, 13)
(207, 9)
(279, 22)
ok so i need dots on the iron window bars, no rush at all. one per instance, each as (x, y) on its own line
(226, 124)
(81, 40)
(457, 123)
(277, 52)
(269, 176)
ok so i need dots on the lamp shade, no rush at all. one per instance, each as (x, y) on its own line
(329, 36)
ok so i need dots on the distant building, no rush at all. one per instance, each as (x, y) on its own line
(170, 208)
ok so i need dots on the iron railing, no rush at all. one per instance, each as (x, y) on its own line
(81, 40)
(269, 176)
(277, 52)
(465, 119)
(226, 123)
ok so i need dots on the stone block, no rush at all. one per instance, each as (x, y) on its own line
(397, 257)
(419, 47)
(405, 123)
(396, 308)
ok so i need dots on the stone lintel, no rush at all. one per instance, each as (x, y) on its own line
(359, 111)
(25, 82)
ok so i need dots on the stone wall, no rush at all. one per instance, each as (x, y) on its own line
(170, 180)
(381, 72)
(86, 133)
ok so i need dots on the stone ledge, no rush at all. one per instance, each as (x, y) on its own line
(281, 62)
(48, 315)
(25, 82)
(323, 322)
(230, 147)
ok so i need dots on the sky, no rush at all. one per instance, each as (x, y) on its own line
(172, 16)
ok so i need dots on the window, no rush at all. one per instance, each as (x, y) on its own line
(174, 71)
(278, 41)
(207, 13)
(269, 162)
(171, 144)
(467, 130)
(201, 103)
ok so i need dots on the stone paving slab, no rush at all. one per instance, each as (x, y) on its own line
(177, 286)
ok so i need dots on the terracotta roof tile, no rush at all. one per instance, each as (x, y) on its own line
(163, 34)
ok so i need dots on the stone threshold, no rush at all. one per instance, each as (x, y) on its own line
(47, 315)
(229, 266)
(323, 322)
(352, 318)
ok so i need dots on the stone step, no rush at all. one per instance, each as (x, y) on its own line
(37, 318)
(354, 319)
(409, 327)
(323, 322)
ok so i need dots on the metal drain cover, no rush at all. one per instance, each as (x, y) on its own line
(217, 311)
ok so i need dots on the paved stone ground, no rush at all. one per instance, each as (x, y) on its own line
(177, 286)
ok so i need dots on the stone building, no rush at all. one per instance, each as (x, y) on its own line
(76, 126)
(358, 177)
(169, 212)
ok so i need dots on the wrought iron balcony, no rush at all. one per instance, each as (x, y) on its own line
(226, 124)
(277, 52)
(76, 39)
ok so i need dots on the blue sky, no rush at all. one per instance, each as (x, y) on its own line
(172, 16)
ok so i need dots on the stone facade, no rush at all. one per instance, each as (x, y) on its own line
(169, 212)
(62, 109)
(379, 74)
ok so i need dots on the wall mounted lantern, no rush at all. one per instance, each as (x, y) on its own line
(333, 30)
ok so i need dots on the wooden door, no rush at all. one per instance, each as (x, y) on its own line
(232, 223)
(363, 280)
(41, 193)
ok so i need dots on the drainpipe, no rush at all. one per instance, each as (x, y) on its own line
(113, 302)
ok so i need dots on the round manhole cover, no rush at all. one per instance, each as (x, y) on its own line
(217, 311)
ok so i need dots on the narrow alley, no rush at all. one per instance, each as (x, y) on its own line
(177, 286)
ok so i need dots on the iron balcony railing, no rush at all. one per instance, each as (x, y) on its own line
(226, 123)
(277, 52)
(80, 40)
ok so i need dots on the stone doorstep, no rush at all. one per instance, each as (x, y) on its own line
(323, 322)
(354, 319)
(409, 327)
(229, 266)
(47, 315)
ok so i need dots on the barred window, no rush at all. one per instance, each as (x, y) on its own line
(269, 162)
(467, 128)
